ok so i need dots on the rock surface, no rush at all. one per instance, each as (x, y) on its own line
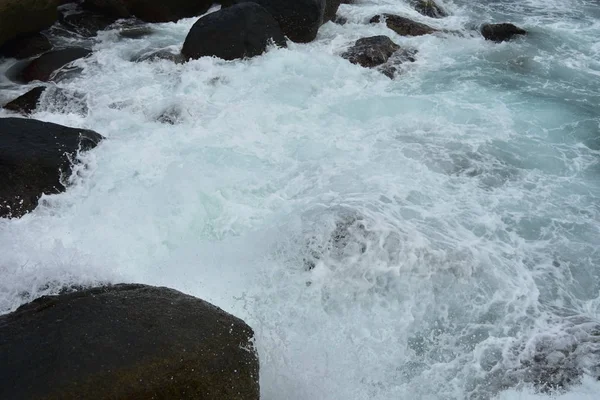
(430, 8)
(26, 46)
(33, 154)
(86, 23)
(299, 19)
(20, 17)
(403, 26)
(26, 104)
(42, 68)
(371, 52)
(242, 30)
(150, 10)
(126, 342)
(501, 32)
(331, 7)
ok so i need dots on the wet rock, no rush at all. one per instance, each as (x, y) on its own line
(371, 52)
(27, 103)
(430, 8)
(403, 26)
(394, 65)
(136, 32)
(26, 46)
(19, 17)
(42, 68)
(126, 341)
(242, 30)
(33, 157)
(299, 19)
(162, 54)
(501, 32)
(150, 10)
(340, 20)
(86, 23)
(331, 7)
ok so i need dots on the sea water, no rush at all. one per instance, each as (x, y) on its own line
(435, 236)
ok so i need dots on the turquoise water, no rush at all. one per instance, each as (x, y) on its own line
(431, 237)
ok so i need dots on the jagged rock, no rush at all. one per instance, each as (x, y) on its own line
(242, 30)
(126, 341)
(33, 155)
(21, 17)
(430, 8)
(26, 46)
(501, 32)
(26, 103)
(42, 68)
(403, 26)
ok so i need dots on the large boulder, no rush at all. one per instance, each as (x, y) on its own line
(43, 67)
(501, 32)
(331, 7)
(299, 19)
(34, 156)
(25, 46)
(403, 26)
(126, 342)
(20, 17)
(242, 30)
(150, 10)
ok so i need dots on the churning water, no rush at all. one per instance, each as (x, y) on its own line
(436, 236)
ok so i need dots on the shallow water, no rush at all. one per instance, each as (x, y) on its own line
(433, 236)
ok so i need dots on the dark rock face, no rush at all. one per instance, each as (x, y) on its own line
(126, 342)
(26, 103)
(239, 31)
(501, 32)
(430, 8)
(20, 17)
(299, 19)
(403, 26)
(26, 46)
(42, 68)
(85, 23)
(331, 7)
(150, 10)
(371, 52)
(32, 156)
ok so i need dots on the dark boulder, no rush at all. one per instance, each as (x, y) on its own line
(137, 32)
(371, 52)
(403, 26)
(501, 32)
(86, 23)
(19, 17)
(33, 155)
(242, 30)
(150, 10)
(27, 103)
(42, 68)
(430, 8)
(331, 7)
(26, 46)
(299, 19)
(126, 341)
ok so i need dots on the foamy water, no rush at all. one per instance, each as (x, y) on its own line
(432, 237)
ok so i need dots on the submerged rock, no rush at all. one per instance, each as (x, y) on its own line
(26, 46)
(34, 157)
(430, 8)
(299, 19)
(378, 51)
(150, 10)
(403, 26)
(42, 68)
(26, 103)
(20, 17)
(162, 54)
(239, 31)
(86, 23)
(501, 32)
(126, 341)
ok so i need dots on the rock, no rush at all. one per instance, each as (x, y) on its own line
(150, 10)
(403, 26)
(242, 30)
(340, 20)
(33, 155)
(162, 54)
(392, 67)
(136, 32)
(26, 46)
(27, 103)
(43, 67)
(371, 52)
(430, 8)
(331, 7)
(501, 32)
(126, 341)
(86, 23)
(19, 17)
(299, 19)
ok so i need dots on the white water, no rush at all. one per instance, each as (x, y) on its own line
(466, 192)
